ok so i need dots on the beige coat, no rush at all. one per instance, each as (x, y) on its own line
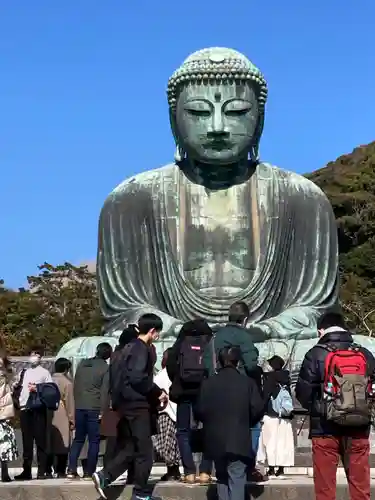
(63, 417)
(6, 400)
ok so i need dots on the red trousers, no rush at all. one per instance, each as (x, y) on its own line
(354, 453)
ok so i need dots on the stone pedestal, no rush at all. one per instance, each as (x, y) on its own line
(293, 488)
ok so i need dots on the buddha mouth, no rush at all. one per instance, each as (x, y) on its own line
(219, 145)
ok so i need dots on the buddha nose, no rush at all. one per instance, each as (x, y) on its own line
(218, 128)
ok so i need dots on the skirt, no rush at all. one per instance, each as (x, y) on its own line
(8, 444)
(276, 443)
(165, 442)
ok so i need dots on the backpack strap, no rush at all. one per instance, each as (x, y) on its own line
(213, 354)
(22, 376)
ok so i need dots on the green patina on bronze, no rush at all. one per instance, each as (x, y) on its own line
(218, 225)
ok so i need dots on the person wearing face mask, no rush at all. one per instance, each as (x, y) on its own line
(134, 395)
(34, 422)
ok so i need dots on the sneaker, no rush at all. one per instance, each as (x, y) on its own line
(271, 473)
(100, 483)
(280, 473)
(147, 497)
(71, 474)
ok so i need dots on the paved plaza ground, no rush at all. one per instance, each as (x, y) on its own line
(292, 488)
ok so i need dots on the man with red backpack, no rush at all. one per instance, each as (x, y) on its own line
(335, 384)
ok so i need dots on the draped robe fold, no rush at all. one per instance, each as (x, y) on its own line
(140, 263)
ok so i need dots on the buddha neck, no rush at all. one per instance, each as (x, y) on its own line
(217, 177)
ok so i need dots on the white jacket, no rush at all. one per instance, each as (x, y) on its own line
(6, 400)
(161, 379)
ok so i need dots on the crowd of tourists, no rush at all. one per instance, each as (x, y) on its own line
(211, 396)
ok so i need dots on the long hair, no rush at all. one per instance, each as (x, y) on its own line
(7, 365)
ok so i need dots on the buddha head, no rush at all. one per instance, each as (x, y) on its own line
(216, 103)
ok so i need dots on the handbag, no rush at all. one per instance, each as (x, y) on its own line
(34, 402)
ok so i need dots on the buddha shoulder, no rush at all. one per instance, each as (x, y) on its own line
(296, 182)
(145, 180)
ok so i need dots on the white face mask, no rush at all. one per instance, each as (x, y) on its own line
(34, 360)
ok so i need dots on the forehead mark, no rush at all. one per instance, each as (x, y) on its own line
(217, 96)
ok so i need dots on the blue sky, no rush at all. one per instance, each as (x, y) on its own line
(83, 106)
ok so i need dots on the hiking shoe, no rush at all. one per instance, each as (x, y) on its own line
(204, 478)
(87, 477)
(189, 479)
(100, 483)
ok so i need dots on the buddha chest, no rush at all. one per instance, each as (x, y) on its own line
(220, 241)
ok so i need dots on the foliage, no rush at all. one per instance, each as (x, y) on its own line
(349, 183)
(60, 302)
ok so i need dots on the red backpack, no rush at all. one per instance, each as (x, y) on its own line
(346, 386)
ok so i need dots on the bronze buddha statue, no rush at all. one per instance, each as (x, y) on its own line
(219, 225)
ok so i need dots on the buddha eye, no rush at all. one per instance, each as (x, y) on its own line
(237, 108)
(198, 109)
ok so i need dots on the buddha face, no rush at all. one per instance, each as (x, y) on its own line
(216, 123)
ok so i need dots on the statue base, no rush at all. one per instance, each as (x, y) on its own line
(292, 351)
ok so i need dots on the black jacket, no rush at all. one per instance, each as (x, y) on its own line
(131, 379)
(310, 382)
(178, 391)
(272, 382)
(229, 404)
(91, 385)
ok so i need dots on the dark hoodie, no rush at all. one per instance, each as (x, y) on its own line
(178, 391)
(272, 383)
(310, 381)
(91, 385)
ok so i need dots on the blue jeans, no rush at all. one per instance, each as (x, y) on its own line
(87, 425)
(231, 479)
(255, 436)
(185, 409)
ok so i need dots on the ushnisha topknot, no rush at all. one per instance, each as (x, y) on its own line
(216, 65)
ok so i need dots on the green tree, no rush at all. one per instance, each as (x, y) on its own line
(70, 303)
(60, 302)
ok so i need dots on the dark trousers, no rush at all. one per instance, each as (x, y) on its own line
(134, 443)
(185, 412)
(111, 448)
(231, 479)
(86, 425)
(58, 463)
(354, 453)
(34, 428)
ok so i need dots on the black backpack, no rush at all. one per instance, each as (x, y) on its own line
(191, 367)
(117, 375)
